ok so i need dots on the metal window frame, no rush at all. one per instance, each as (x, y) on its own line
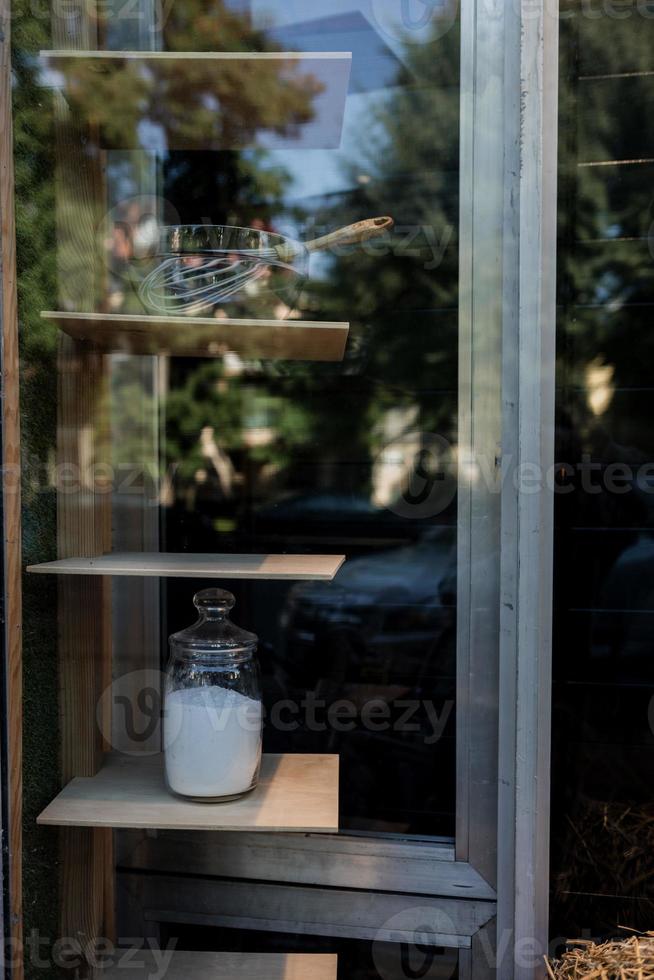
(528, 398)
(507, 328)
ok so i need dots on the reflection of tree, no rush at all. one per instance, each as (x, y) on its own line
(400, 296)
(201, 102)
(602, 646)
(606, 211)
(36, 266)
(402, 300)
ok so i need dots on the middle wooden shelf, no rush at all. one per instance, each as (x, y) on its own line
(295, 794)
(180, 336)
(186, 565)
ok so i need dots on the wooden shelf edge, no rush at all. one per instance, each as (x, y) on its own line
(199, 55)
(180, 336)
(221, 966)
(162, 565)
(296, 794)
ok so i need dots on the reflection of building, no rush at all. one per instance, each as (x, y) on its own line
(374, 65)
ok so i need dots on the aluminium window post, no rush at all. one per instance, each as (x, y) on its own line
(529, 334)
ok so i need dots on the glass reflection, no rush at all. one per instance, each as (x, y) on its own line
(602, 764)
(354, 457)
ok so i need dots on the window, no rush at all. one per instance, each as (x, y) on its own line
(359, 401)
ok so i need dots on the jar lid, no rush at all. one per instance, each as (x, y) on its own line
(214, 633)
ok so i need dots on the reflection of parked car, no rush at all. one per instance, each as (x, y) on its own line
(352, 518)
(621, 627)
(382, 632)
(385, 616)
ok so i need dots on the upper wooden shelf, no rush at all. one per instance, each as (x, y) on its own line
(296, 793)
(77, 53)
(181, 336)
(169, 565)
(225, 966)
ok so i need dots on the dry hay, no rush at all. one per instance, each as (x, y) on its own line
(608, 852)
(610, 843)
(617, 959)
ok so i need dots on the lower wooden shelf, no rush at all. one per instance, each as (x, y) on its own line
(221, 966)
(296, 793)
(306, 567)
(185, 336)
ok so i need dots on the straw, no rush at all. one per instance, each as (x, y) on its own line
(617, 959)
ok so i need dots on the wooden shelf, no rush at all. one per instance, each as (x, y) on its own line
(296, 793)
(162, 565)
(224, 966)
(73, 54)
(180, 336)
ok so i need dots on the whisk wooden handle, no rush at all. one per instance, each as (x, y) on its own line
(351, 234)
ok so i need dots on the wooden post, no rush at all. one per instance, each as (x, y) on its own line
(83, 527)
(83, 520)
(11, 497)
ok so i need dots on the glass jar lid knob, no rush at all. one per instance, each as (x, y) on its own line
(214, 603)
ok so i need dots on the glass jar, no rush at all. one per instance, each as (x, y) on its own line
(212, 705)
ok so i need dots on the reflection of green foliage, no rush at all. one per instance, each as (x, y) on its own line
(400, 298)
(204, 25)
(605, 217)
(207, 103)
(399, 295)
(204, 104)
(406, 295)
(203, 399)
(35, 234)
(605, 276)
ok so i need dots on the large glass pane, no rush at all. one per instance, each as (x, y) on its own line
(223, 389)
(353, 457)
(350, 446)
(604, 614)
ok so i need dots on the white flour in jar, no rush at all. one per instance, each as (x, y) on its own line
(212, 741)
